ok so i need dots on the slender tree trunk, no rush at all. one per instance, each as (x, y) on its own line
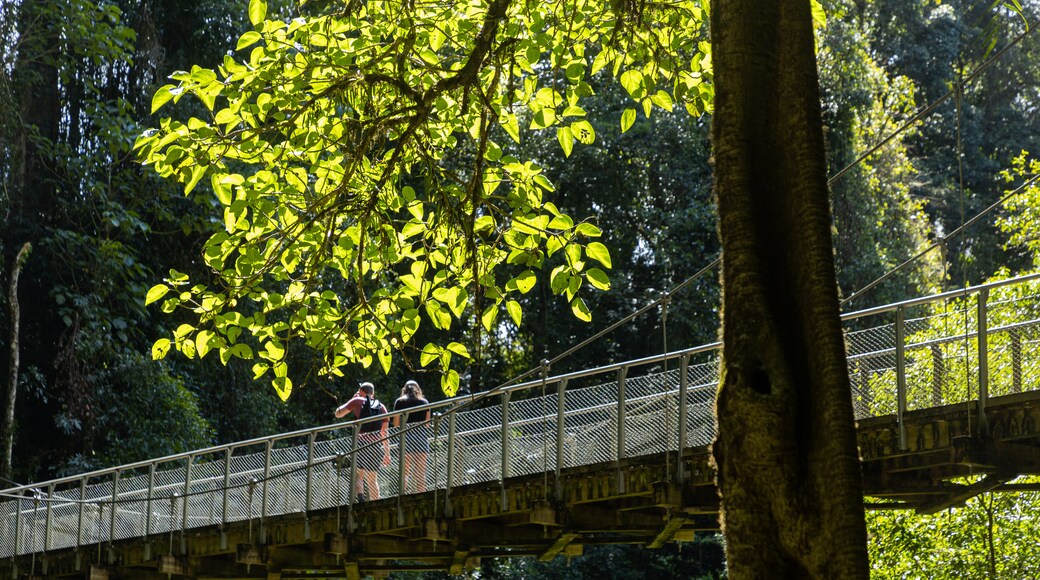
(7, 428)
(788, 470)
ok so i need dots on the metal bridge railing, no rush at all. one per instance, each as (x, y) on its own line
(958, 347)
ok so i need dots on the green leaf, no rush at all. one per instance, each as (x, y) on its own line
(282, 386)
(632, 81)
(202, 342)
(430, 353)
(514, 311)
(385, 359)
(628, 118)
(156, 292)
(818, 15)
(488, 317)
(196, 174)
(583, 131)
(580, 310)
(161, 97)
(525, 281)
(458, 349)
(662, 99)
(450, 383)
(511, 125)
(598, 252)
(160, 348)
(274, 351)
(248, 39)
(598, 278)
(566, 139)
(257, 12)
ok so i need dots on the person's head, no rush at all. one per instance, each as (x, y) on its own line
(411, 389)
(367, 389)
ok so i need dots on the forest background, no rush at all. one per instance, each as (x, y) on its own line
(76, 83)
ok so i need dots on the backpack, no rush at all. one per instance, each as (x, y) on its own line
(371, 407)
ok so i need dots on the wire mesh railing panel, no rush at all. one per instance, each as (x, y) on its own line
(389, 475)
(9, 527)
(648, 429)
(64, 520)
(286, 488)
(128, 507)
(437, 465)
(478, 456)
(700, 414)
(590, 425)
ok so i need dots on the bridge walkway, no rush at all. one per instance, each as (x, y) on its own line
(946, 390)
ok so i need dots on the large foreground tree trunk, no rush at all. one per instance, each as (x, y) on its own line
(788, 469)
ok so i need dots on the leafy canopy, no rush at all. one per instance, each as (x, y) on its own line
(361, 160)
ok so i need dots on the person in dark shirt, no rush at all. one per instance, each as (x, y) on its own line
(369, 458)
(416, 436)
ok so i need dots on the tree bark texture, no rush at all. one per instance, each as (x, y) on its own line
(7, 428)
(788, 469)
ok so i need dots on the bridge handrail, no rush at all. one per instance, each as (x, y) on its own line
(468, 400)
(960, 292)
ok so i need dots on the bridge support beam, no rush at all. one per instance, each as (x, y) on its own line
(558, 546)
(988, 483)
(669, 531)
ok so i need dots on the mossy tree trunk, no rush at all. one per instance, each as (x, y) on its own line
(788, 468)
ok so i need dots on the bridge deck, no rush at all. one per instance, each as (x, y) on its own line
(944, 388)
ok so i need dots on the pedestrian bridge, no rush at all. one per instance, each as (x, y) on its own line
(946, 390)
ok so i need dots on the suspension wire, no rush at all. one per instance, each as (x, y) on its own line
(941, 241)
(664, 378)
(928, 109)
(545, 434)
(958, 101)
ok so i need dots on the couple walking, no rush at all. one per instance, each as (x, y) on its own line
(371, 455)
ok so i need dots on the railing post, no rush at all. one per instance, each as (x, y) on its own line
(684, 382)
(449, 480)
(1016, 360)
(901, 376)
(18, 524)
(402, 425)
(82, 507)
(148, 501)
(506, 448)
(561, 408)
(983, 298)
(309, 487)
(622, 374)
(47, 519)
(224, 502)
(620, 453)
(115, 508)
(352, 483)
(938, 374)
(264, 491)
(187, 502)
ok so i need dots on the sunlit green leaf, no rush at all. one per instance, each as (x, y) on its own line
(598, 252)
(155, 293)
(257, 13)
(160, 348)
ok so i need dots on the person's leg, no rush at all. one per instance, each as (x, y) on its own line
(419, 461)
(373, 484)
